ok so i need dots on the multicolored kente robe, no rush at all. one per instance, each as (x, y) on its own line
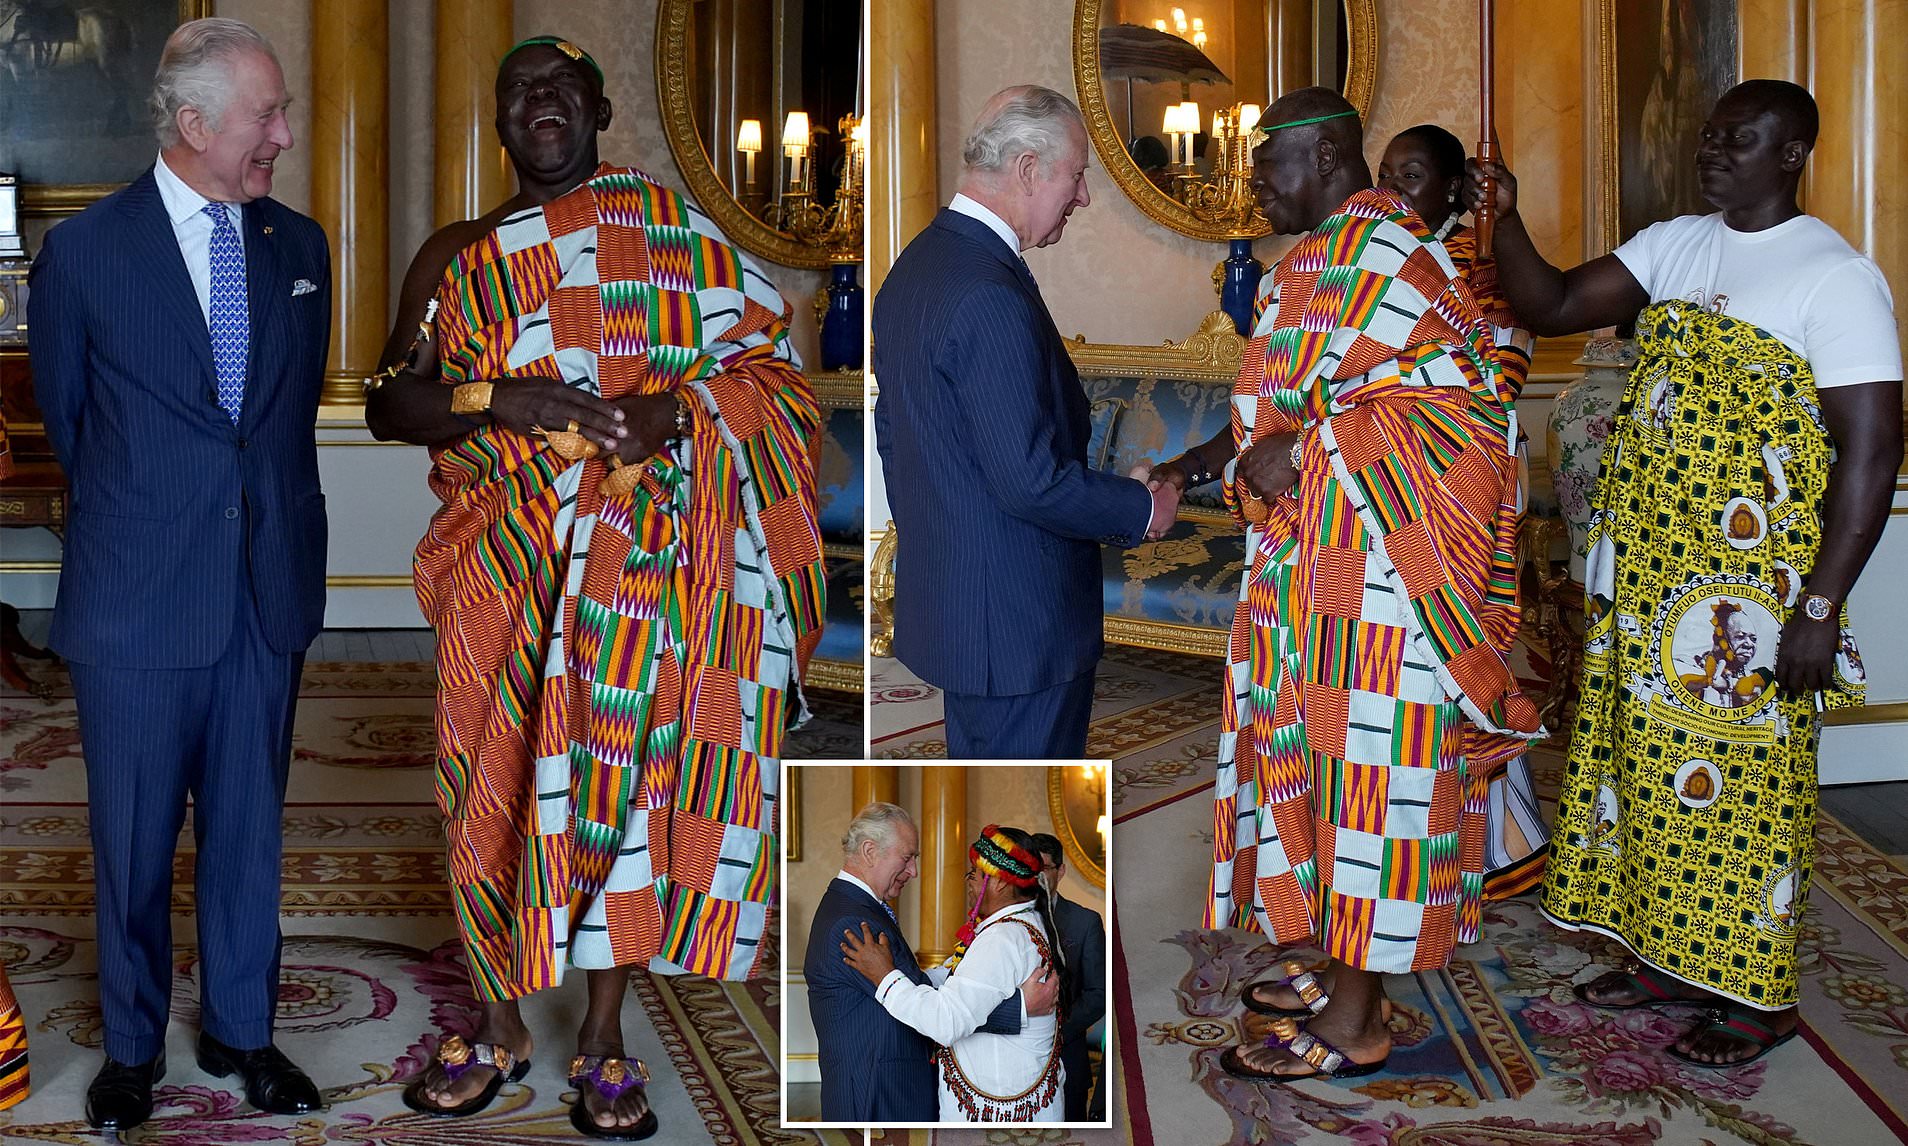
(1370, 691)
(14, 1078)
(1686, 825)
(615, 675)
(1516, 833)
(13, 1040)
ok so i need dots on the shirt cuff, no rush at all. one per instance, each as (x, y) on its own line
(888, 981)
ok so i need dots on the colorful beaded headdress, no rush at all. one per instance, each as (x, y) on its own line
(996, 854)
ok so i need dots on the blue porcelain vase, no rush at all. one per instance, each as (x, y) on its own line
(841, 342)
(1241, 284)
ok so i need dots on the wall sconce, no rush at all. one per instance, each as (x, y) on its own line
(1179, 20)
(795, 143)
(748, 140)
(1182, 120)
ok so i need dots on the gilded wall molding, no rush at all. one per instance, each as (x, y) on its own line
(1076, 851)
(685, 143)
(1361, 78)
(1606, 221)
(1211, 353)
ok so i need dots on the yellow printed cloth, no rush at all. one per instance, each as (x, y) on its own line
(1686, 823)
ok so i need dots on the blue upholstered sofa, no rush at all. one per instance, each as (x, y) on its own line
(1149, 403)
(841, 477)
(1179, 593)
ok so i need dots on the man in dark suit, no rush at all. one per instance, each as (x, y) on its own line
(874, 1069)
(1083, 943)
(179, 331)
(982, 428)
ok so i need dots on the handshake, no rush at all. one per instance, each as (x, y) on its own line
(1268, 468)
(1166, 494)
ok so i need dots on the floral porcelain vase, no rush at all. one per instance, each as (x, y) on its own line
(1579, 424)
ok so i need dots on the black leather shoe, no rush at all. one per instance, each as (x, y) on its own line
(120, 1097)
(272, 1083)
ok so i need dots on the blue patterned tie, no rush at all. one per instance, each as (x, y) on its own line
(231, 322)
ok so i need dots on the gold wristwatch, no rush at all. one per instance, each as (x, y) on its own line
(1817, 607)
(471, 398)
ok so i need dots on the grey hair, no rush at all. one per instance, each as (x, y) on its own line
(1029, 119)
(195, 70)
(875, 822)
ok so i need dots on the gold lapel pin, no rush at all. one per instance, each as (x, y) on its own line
(268, 228)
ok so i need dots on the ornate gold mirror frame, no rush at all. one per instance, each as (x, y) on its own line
(1074, 790)
(1361, 73)
(692, 159)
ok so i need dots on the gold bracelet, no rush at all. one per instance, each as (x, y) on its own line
(471, 398)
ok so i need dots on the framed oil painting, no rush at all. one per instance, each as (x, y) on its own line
(74, 77)
(1664, 63)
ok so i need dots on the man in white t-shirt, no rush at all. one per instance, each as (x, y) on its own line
(1750, 470)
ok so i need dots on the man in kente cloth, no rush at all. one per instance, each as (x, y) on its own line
(624, 578)
(1371, 696)
(1744, 485)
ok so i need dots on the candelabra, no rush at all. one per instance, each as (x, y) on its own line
(1224, 197)
(837, 229)
(837, 226)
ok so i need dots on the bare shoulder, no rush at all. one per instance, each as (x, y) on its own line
(438, 250)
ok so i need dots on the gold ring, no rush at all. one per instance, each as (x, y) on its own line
(571, 428)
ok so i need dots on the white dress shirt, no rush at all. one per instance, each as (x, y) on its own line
(952, 1009)
(845, 877)
(193, 229)
(962, 205)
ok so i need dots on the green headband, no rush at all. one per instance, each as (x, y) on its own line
(1264, 130)
(561, 45)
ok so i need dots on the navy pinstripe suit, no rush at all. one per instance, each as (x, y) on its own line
(982, 429)
(192, 583)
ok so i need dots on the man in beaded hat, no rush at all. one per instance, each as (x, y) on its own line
(1010, 932)
(624, 578)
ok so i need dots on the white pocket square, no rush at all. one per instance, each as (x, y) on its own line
(303, 286)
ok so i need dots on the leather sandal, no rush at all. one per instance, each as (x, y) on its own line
(1303, 980)
(456, 1057)
(1742, 1026)
(609, 1076)
(1657, 989)
(1326, 1060)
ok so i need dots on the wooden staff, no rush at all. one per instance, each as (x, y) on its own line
(1486, 214)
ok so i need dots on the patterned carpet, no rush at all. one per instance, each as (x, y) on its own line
(1493, 1051)
(372, 971)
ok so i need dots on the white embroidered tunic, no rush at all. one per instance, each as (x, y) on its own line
(1002, 1076)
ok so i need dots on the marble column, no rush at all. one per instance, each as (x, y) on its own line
(876, 782)
(350, 183)
(472, 173)
(944, 840)
(1774, 40)
(902, 190)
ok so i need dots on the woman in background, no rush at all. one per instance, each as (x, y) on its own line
(1424, 165)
